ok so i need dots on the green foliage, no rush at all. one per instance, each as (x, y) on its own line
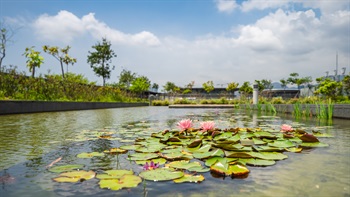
(231, 86)
(329, 88)
(246, 89)
(61, 55)
(183, 101)
(126, 77)
(346, 85)
(208, 86)
(160, 103)
(170, 87)
(34, 59)
(100, 59)
(295, 79)
(140, 84)
(261, 86)
(16, 85)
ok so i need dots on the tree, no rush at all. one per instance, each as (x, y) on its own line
(155, 87)
(61, 55)
(140, 84)
(125, 78)
(284, 84)
(171, 88)
(328, 87)
(34, 59)
(231, 87)
(208, 86)
(346, 85)
(246, 89)
(6, 34)
(261, 86)
(188, 88)
(267, 84)
(100, 59)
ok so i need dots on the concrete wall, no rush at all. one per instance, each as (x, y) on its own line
(20, 107)
(339, 110)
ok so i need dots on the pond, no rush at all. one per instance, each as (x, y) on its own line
(31, 142)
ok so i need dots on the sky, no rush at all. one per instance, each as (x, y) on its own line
(181, 41)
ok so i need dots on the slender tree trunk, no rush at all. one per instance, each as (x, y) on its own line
(62, 69)
(33, 72)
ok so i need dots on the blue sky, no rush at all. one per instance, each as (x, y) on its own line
(187, 40)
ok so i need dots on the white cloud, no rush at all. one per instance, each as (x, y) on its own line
(261, 5)
(226, 5)
(65, 26)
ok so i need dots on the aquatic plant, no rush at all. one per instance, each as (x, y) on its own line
(185, 124)
(286, 128)
(150, 166)
(208, 125)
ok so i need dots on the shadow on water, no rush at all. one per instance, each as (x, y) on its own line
(31, 142)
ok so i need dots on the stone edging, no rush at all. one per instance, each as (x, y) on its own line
(21, 107)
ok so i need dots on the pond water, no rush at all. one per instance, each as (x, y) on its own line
(30, 142)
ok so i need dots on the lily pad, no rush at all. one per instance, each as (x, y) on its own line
(114, 174)
(75, 176)
(209, 162)
(126, 181)
(269, 155)
(161, 174)
(160, 161)
(282, 144)
(258, 162)
(130, 147)
(176, 156)
(217, 152)
(314, 144)
(116, 151)
(65, 168)
(229, 170)
(90, 155)
(183, 164)
(294, 149)
(190, 178)
(143, 156)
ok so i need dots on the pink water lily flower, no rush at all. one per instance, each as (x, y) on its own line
(185, 124)
(150, 166)
(208, 125)
(286, 128)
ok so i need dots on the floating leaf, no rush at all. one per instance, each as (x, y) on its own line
(183, 164)
(282, 144)
(130, 147)
(75, 176)
(116, 151)
(190, 178)
(217, 152)
(143, 156)
(233, 154)
(126, 181)
(209, 162)
(195, 143)
(267, 149)
(319, 134)
(294, 149)
(269, 155)
(176, 156)
(160, 161)
(308, 138)
(228, 170)
(65, 168)
(89, 155)
(313, 144)
(161, 174)
(113, 174)
(258, 162)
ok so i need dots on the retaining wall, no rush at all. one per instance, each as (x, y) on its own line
(21, 107)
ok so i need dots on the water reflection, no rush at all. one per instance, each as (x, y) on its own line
(31, 142)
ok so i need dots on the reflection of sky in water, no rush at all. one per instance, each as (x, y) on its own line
(30, 142)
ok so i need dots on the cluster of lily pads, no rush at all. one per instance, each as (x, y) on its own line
(183, 154)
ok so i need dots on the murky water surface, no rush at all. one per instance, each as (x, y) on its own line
(28, 143)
